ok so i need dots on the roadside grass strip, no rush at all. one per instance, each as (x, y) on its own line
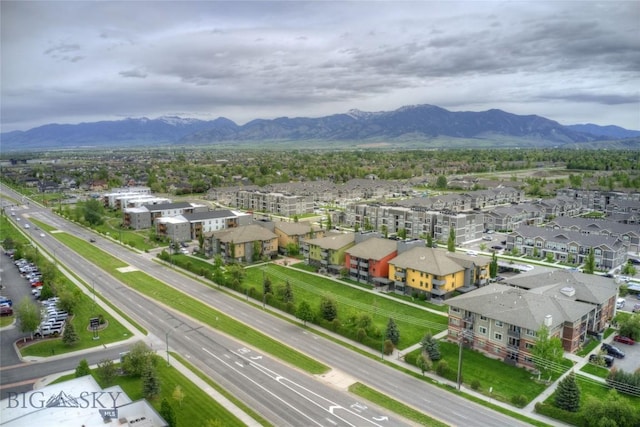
(159, 291)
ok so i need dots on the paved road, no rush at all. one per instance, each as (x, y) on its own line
(228, 363)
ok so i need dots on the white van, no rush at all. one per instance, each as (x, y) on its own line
(620, 303)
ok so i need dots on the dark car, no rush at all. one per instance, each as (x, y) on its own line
(605, 358)
(92, 240)
(496, 247)
(6, 311)
(612, 350)
(624, 340)
(635, 261)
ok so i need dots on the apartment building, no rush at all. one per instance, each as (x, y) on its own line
(328, 252)
(566, 246)
(502, 320)
(436, 273)
(248, 243)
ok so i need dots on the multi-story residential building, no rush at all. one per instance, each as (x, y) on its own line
(628, 233)
(559, 206)
(294, 233)
(571, 247)
(466, 226)
(502, 321)
(436, 273)
(507, 218)
(277, 203)
(248, 243)
(176, 228)
(368, 260)
(328, 252)
(598, 200)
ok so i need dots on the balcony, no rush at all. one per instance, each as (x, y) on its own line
(437, 282)
(401, 274)
(364, 264)
(514, 332)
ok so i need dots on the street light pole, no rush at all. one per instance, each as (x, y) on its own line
(166, 337)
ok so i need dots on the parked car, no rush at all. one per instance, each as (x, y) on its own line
(92, 240)
(606, 359)
(620, 303)
(612, 350)
(6, 300)
(496, 247)
(47, 330)
(472, 253)
(624, 340)
(6, 311)
(636, 308)
(487, 238)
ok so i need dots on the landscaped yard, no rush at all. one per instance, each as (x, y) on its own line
(412, 322)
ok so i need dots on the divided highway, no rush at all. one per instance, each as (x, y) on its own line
(283, 395)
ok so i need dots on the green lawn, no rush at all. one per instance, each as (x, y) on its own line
(599, 371)
(197, 408)
(395, 406)
(412, 322)
(505, 381)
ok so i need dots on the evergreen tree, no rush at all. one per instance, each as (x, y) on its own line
(166, 412)
(393, 334)
(287, 295)
(493, 266)
(150, 381)
(429, 240)
(451, 242)
(82, 369)
(328, 309)
(590, 263)
(568, 393)
(431, 347)
(69, 336)
(266, 286)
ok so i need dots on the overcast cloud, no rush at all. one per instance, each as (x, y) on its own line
(69, 62)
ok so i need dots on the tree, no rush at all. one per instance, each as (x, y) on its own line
(610, 410)
(429, 240)
(431, 347)
(150, 381)
(568, 393)
(304, 312)
(493, 266)
(402, 233)
(628, 269)
(329, 223)
(451, 242)
(629, 326)
(287, 294)
(82, 369)
(266, 286)
(28, 315)
(93, 212)
(70, 336)
(178, 394)
(392, 334)
(107, 371)
(441, 182)
(385, 230)
(328, 309)
(166, 412)
(547, 350)
(201, 242)
(423, 363)
(69, 299)
(136, 360)
(590, 263)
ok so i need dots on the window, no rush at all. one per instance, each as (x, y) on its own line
(531, 333)
(498, 336)
(528, 345)
(483, 318)
(482, 330)
(498, 324)
(455, 309)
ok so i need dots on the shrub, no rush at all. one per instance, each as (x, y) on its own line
(519, 400)
(475, 384)
(442, 368)
(361, 334)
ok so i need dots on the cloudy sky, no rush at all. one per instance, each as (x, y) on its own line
(74, 61)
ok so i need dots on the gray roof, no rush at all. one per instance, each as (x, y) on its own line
(374, 248)
(567, 236)
(333, 241)
(296, 228)
(165, 206)
(221, 213)
(244, 234)
(590, 288)
(594, 224)
(435, 261)
(519, 307)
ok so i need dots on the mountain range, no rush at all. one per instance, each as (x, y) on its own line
(418, 126)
